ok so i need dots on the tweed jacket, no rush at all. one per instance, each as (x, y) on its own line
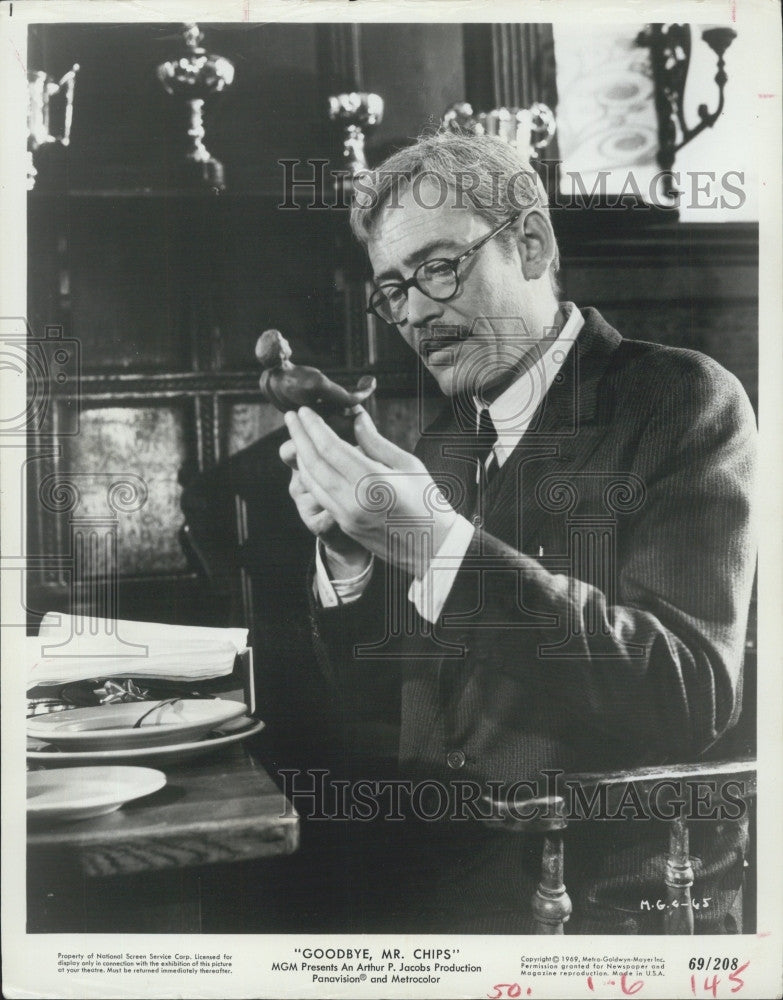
(596, 622)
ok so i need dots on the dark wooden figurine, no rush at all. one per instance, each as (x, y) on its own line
(288, 386)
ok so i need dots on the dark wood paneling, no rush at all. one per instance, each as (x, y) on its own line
(178, 599)
(418, 70)
(509, 65)
(340, 57)
(619, 281)
(129, 305)
(179, 284)
(275, 108)
(127, 132)
(727, 332)
(274, 268)
(692, 286)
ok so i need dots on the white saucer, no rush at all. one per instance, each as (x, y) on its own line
(71, 793)
(133, 724)
(171, 754)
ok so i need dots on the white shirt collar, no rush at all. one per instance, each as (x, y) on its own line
(514, 408)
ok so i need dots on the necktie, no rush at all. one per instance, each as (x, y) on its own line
(486, 436)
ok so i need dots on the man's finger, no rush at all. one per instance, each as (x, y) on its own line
(349, 463)
(313, 493)
(296, 487)
(307, 494)
(379, 448)
(317, 474)
(287, 453)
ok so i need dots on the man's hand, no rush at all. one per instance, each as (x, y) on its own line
(346, 557)
(361, 489)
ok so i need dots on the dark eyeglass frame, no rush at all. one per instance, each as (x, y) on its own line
(453, 262)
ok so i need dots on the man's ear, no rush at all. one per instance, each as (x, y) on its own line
(536, 243)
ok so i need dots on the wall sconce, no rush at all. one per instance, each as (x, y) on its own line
(529, 129)
(194, 77)
(670, 53)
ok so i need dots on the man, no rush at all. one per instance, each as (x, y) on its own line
(557, 580)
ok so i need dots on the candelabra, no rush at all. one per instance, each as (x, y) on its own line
(529, 129)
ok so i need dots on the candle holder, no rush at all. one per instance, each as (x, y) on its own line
(41, 89)
(529, 129)
(357, 113)
(193, 78)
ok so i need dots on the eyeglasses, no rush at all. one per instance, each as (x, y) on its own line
(438, 279)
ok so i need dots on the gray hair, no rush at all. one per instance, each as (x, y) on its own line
(483, 173)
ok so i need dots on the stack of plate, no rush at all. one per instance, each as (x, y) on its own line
(167, 731)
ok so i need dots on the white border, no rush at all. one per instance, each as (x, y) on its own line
(29, 961)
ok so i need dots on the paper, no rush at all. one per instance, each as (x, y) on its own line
(156, 294)
(175, 652)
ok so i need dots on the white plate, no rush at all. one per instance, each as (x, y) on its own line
(112, 727)
(171, 754)
(83, 792)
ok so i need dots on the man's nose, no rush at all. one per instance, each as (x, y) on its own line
(422, 309)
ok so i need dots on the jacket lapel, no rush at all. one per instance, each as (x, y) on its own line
(567, 427)
(447, 448)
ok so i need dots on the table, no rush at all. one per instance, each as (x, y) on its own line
(142, 868)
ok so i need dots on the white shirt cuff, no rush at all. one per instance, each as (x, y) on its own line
(333, 593)
(429, 595)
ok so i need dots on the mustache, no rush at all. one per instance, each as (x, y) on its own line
(436, 338)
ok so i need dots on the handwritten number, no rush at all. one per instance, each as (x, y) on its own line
(734, 977)
(633, 988)
(711, 986)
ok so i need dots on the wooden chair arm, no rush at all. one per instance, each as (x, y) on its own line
(551, 905)
(738, 776)
(526, 816)
(717, 778)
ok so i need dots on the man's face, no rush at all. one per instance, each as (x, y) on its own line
(474, 343)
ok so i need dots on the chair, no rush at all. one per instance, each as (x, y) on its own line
(730, 764)
(551, 905)
(239, 520)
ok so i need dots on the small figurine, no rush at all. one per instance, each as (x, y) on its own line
(288, 386)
